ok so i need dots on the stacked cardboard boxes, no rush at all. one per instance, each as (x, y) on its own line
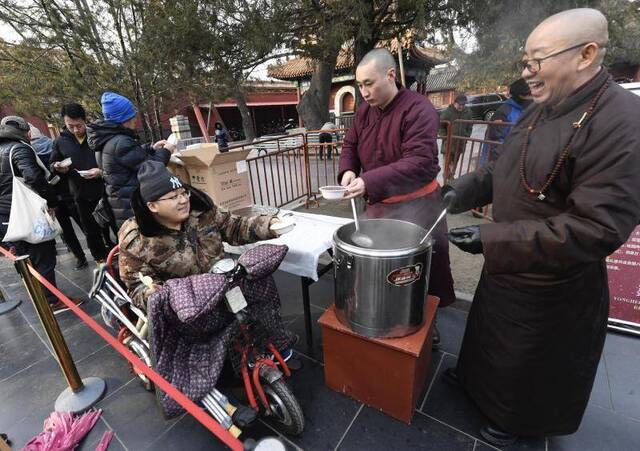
(180, 127)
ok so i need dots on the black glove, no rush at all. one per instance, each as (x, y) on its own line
(449, 198)
(467, 239)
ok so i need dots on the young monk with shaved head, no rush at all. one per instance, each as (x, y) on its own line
(390, 158)
(565, 193)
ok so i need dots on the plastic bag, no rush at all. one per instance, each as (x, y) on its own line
(29, 219)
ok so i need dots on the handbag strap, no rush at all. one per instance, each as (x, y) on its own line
(11, 160)
(39, 162)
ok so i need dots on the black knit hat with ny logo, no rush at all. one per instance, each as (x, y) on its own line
(156, 181)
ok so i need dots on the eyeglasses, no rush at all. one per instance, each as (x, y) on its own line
(185, 194)
(533, 65)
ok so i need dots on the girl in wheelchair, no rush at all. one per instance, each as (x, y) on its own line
(166, 252)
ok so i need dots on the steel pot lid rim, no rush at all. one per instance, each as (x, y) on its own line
(372, 252)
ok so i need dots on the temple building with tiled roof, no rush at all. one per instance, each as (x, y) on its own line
(417, 61)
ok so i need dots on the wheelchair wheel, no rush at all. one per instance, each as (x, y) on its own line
(285, 407)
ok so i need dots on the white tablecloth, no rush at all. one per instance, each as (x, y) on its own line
(312, 235)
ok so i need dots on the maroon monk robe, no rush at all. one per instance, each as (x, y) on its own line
(538, 321)
(395, 152)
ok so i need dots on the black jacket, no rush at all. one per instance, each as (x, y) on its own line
(122, 155)
(83, 158)
(24, 165)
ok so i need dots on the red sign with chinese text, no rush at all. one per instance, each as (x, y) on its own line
(623, 268)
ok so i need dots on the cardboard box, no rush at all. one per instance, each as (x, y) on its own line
(180, 171)
(180, 127)
(223, 176)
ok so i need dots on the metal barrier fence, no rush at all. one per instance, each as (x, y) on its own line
(289, 168)
(293, 167)
(278, 169)
(465, 154)
(323, 159)
(345, 120)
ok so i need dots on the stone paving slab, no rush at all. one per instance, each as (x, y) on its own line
(30, 380)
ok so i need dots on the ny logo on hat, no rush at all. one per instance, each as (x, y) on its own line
(175, 182)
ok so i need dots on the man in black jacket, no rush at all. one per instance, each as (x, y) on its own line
(65, 208)
(14, 134)
(83, 175)
(115, 138)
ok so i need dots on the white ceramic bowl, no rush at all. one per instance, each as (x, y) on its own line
(333, 192)
(283, 226)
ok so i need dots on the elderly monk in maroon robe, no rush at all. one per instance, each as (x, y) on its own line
(390, 157)
(566, 194)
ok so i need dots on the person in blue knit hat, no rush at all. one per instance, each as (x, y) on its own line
(120, 153)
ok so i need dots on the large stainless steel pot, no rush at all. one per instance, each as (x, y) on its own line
(381, 291)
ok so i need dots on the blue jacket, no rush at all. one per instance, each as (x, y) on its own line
(509, 111)
(43, 147)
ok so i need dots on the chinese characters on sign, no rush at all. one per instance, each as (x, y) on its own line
(623, 267)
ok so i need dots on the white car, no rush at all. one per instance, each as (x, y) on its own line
(633, 87)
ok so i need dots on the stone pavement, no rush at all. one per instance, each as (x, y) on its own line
(30, 381)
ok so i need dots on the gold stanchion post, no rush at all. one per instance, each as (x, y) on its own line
(82, 393)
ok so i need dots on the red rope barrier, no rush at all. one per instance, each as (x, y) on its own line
(205, 419)
(7, 254)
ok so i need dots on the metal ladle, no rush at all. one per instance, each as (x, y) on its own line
(442, 215)
(358, 237)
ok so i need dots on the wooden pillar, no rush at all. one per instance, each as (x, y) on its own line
(253, 118)
(401, 63)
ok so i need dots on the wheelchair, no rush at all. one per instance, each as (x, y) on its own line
(252, 357)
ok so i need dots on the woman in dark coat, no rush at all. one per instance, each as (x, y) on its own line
(120, 152)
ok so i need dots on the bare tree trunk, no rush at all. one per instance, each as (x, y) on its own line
(156, 116)
(245, 113)
(364, 42)
(56, 26)
(314, 104)
(117, 15)
(149, 129)
(96, 41)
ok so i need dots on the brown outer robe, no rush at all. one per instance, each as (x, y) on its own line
(537, 325)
